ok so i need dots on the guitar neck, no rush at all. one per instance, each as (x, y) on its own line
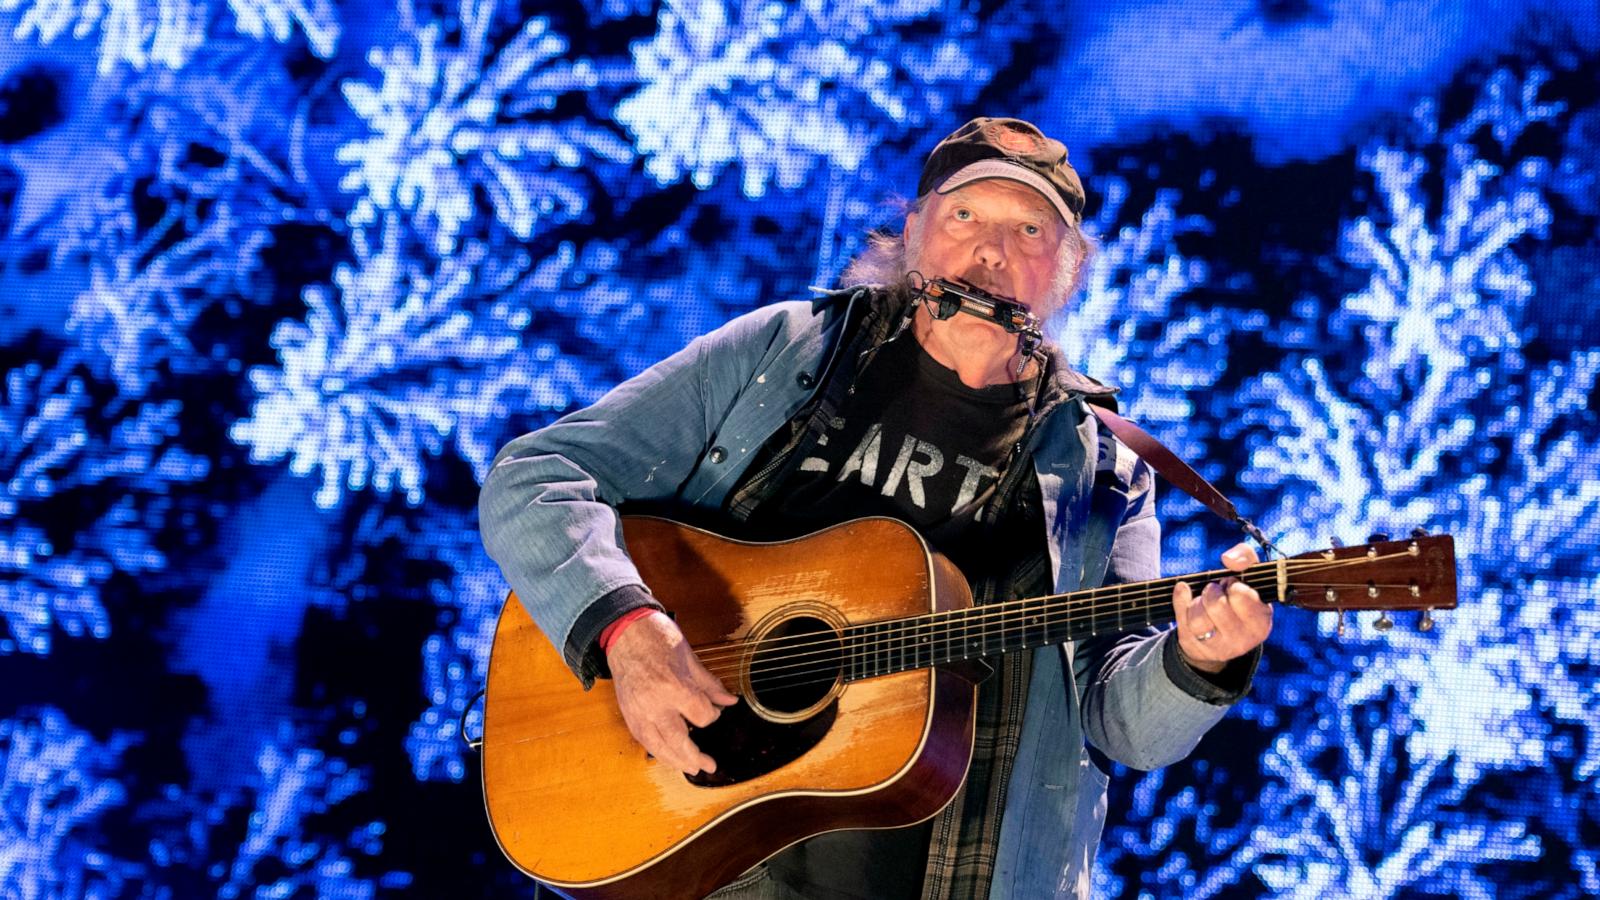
(917, 642)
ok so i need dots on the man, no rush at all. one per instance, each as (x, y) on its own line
(800, 415)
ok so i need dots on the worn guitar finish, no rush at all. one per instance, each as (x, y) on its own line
(845, 647)
(574, 801)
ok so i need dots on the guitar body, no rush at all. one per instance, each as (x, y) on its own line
(834, 643)
(577, 804)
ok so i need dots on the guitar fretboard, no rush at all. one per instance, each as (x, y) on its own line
(917, 642)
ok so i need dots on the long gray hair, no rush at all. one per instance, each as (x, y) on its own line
(889, 257)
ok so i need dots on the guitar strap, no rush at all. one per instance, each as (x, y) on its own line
(1179, 473)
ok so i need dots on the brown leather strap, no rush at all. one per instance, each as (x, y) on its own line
(1177, 471)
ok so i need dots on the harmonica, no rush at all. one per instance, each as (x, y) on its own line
(951, 298)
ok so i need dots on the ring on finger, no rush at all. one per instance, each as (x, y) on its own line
(1206, 635)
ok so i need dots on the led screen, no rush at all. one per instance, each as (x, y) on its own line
(281, 277)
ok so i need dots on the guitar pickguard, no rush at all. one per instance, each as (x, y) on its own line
(747, 746)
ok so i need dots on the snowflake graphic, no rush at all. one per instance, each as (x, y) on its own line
(1126, 327)
(133, 319)
(1352, 816)
(56, 781)
(394, 363)
(149, 206)
(1167, 815)
(1410, 428)
(1442, 305)
(141, 33)
(781, 89)
(281, 855)
(1507, 106)
(453, 117)
(56, 441)
(1341, 809)
(149, 239)
(1384, 778)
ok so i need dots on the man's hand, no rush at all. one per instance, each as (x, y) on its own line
(660, 684)
(1226, 621)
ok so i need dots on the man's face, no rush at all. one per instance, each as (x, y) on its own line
(998, 235)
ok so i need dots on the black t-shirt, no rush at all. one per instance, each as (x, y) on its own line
(914, 443)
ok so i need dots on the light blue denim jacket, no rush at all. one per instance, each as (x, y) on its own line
(684, 430)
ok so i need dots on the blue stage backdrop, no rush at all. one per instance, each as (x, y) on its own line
(280, 276)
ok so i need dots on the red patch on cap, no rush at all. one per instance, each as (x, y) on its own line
(1012, 140)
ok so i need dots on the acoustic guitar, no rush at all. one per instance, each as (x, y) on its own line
(846, 648)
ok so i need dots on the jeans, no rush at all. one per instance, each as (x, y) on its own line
(756, 884)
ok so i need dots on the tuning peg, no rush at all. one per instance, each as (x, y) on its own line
(1425, 623)
(1377, 537)
(1340, 630)
(1419, 532)
(1335, 543)
(1384, 623)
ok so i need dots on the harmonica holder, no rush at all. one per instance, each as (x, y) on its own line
(946, 298)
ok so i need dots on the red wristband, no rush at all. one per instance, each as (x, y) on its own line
(619, 624)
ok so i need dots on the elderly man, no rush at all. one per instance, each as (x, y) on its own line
(801, 415)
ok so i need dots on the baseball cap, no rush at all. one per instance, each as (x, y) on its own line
(1005, 148)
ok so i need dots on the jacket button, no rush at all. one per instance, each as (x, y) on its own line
(718, 454)
(805, 380)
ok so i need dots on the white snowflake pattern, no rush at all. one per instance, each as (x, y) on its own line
(394, 363)
(56, 781)
(1443, 301)
(133, 319)
(1370, 823)
(141, 33)
(1126, 328)
(1129, 327)
(48, 448)
(781, 88)
(1413, 430)
(453, 117)
(297, 783)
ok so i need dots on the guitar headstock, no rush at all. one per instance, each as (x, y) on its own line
(1418, 573)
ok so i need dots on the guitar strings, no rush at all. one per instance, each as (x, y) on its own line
(832, 648)
(833, 672)
(832, 659)
(1299, 567)
(1142, 593)
(831, 663)
(827, 647)
(987, 615)
(737, 647)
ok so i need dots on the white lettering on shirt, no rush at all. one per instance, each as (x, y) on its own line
(976, 472)
(864, 458)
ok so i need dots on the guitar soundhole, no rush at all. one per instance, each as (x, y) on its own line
(796, 665)
(795, 673)
(747, 746)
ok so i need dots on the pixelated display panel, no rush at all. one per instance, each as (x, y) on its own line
(280, 278)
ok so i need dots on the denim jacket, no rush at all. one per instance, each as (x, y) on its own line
(683, 431)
